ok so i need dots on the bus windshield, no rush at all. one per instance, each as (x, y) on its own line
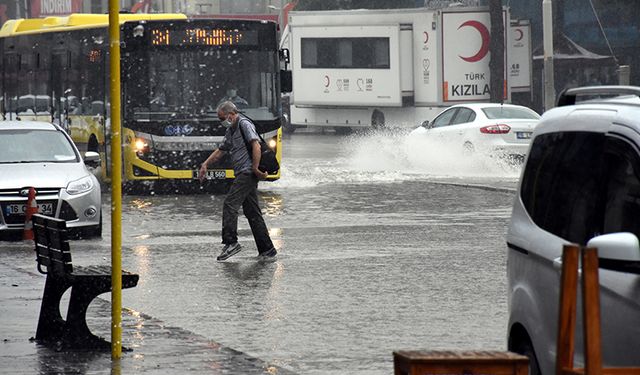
(192, 82)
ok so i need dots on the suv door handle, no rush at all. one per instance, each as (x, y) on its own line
(557, 264)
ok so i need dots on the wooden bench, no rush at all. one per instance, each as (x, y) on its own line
(86, 283)
(441, 362)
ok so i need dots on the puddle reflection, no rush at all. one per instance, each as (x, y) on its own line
(246, 272)
(273, 203)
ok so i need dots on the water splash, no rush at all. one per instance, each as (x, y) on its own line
(392, 157)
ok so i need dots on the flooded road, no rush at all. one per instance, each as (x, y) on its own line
(384, 244)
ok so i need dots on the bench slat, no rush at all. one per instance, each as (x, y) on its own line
(53, 253)
(52, 246)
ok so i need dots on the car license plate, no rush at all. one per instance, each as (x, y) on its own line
(21, 209)
(212, 175)
(523, 135)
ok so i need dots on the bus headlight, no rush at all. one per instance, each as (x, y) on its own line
(272, 144)
(141, 145)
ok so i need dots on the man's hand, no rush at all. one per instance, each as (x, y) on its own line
(202, 172)
(260, 174)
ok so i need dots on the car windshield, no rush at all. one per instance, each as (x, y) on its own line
(35, 146)
(509, 112)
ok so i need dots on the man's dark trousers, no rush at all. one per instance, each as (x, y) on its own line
(244, 191)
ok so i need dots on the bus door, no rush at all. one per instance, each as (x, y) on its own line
(10, 83)
(100, 108)
(60, 90)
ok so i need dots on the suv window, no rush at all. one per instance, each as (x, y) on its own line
(561, 184)
(578, 185)
(623, 188)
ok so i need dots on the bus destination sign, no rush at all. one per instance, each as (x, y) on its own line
(201, 36)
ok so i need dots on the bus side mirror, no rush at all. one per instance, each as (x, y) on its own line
(286, 83)
(283, 54)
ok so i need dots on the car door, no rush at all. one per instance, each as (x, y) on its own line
(620, 290)
(557, 205)
(462, 125)
(440, 126)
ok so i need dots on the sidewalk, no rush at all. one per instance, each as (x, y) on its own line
(157, 349)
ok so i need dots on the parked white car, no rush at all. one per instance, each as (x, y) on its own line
(580, 184)
(43, 156)
(494, 129)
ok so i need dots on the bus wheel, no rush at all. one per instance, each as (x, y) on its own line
(93, 144)
(342, 130)
(377, 119)
(288, 128)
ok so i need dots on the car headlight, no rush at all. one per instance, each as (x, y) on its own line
(80, 186)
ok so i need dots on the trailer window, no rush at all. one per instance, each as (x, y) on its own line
(345, 53)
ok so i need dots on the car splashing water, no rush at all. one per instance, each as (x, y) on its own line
(417, 155)
(389, 157)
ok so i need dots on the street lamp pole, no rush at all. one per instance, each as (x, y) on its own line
(547, 32)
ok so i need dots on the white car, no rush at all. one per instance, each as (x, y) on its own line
(43, 156)
(580, 184)
(494, 129)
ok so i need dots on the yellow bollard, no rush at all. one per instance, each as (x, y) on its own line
(116, 181)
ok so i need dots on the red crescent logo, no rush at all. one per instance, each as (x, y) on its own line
(426, 37)
(327, 81)
(484, 34)
(519, 34)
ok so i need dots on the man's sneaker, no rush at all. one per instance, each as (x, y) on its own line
(229, 250)
(268, 255)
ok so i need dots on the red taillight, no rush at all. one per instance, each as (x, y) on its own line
(495, 129)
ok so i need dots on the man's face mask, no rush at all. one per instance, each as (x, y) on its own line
(226, 122)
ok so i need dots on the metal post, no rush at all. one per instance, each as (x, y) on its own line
(116, 181)
(547, 31)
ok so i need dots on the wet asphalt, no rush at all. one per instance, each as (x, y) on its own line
(385, 243)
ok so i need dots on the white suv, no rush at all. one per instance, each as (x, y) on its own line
(580, 184)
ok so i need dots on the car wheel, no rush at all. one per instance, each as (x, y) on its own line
(468, 149)
(96, 230)
(526, 348)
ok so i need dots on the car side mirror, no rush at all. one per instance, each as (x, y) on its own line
(619, 246)
(425, 124)
(618, 252)
(92, 158)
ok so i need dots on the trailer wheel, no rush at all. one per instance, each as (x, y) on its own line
(342, 130)
(377, 119)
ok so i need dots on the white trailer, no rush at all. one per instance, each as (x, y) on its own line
(392, 67)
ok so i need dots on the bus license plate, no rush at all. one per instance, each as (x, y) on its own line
(212, 175)
(523, 135)
(21, 209)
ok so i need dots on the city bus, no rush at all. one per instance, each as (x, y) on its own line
(174, 73)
